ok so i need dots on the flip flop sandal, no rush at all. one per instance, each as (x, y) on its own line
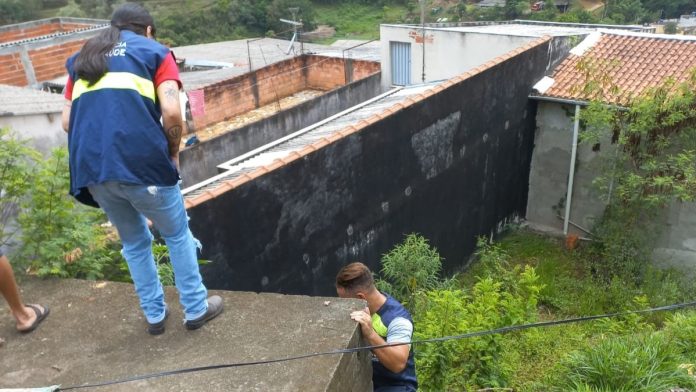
(40, 316)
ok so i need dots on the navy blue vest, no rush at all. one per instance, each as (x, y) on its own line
(381, 376)
(115, 131)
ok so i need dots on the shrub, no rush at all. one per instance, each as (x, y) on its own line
(410, 267)
(508, 299)
(60, 237)
(647, 362)
(17, 171)
(671, 28)
(681, 328)
(624, 239)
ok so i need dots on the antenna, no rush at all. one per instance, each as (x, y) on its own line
(294, 24)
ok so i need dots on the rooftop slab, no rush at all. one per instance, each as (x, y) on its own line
(96, 333)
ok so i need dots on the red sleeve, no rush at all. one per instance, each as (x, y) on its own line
(167, 71)
(67, 91)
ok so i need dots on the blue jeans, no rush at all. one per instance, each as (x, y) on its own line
(127, 206)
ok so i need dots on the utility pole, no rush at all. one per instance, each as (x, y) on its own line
(294, 25)
(294, 11)
(422, 4)
(604, 12)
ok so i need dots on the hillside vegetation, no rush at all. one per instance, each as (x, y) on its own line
(199, 21)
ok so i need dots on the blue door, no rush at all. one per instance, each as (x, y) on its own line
(400, 63)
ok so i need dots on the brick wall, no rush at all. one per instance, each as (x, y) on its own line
(363, 69)
(49, 63)
(39, 30)
(327, 73)
(227, 99)
(11, 70)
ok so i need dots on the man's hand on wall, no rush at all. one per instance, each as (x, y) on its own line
(365, 320)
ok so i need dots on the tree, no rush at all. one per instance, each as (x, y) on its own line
(654, 165)
(577, 16)
(624, 11)
(15, 11)
(278, 9)
(666, 9)
(97, 8)
(670, 28)
(515, 8)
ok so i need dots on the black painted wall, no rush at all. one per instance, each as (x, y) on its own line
(199, 162)
(451, 167)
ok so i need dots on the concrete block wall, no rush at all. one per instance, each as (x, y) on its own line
(229, 98)
(12, 70)
(38, 30)
(43, 48)
(280, 80)
(327, 73)
(49, 63)
(362, 68)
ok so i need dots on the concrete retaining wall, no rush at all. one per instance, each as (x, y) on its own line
(548, 184)
(451, 167)
(199, 161)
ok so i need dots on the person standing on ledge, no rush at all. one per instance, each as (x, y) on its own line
(383, 321)
(29, 316)
(124, 160)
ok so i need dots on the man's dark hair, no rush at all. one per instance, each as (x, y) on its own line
(355, 277)
(91, 64)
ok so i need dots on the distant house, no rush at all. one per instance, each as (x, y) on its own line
(562, 5)
(33, 114)
(561, 195)
(491, 3)
(687, 23)
(32, 53)
(413, 54)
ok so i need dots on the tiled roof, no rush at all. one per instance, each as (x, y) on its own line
(625, 64)
(18, 101)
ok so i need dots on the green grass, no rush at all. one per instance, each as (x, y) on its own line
(538, 358)
(357, 21)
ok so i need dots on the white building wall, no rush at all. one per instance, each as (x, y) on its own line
(447, 53)
(44, 130)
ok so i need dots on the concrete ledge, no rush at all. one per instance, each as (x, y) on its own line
(95, 333)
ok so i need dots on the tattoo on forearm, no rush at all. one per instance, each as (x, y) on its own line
(171, 93)
(174, 138)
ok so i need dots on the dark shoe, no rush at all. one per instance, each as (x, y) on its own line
(158, 328)
(214, 309)
(40, 316)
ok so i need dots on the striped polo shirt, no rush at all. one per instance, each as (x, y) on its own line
(394, 324)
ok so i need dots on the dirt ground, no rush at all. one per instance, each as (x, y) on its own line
(591, 5)
(322, 31)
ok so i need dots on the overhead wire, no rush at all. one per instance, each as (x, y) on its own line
(467, 335)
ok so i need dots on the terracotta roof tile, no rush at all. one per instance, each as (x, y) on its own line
(631, 63)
